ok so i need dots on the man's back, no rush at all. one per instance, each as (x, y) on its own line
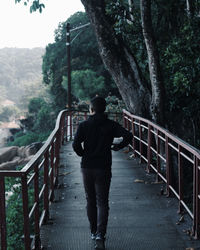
(97, 134)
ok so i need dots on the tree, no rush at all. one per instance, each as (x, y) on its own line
(157, 86)
(84, 58)
(119, 60)
(150, 51)
(86, 84)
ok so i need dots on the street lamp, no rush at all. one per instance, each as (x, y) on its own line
(68, 43)
(68, 67)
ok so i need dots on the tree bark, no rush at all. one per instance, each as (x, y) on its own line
(119, 61)
(157, 110)
(190, 8)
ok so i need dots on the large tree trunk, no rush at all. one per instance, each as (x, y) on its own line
(157, 110)
(190, 7)
(119, 61)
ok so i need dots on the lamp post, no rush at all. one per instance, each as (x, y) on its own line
(68, 67)
(68, 43)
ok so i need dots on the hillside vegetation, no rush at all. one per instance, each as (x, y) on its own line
(20, 75)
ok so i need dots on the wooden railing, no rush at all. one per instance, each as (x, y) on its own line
(174, 161)
(38, 179)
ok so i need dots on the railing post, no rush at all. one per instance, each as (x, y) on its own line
(3, 214)
(70, 121)
(140, 142)
(25, 212)
(37, 212)
(196, 200)
(46, 189)
(57, 156)
(124, 121)
(52, 152)
(149, 153)
(180, 178)
(67, 126)
(168, 168)
(133, 132)
(62, 128)
(158, 157)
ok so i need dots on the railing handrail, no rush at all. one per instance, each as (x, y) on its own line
(171, 155)
(47, 160)
(44, 148)
(175, 138)
(50, 154)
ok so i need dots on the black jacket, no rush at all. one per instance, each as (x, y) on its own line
(97, 134)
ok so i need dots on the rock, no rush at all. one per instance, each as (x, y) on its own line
(33, 148)
(12, 157)
(8, 153)
(10, 165)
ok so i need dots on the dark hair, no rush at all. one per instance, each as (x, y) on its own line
(98, 104)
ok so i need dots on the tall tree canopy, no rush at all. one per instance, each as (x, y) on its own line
(151, 50)
(89, 76)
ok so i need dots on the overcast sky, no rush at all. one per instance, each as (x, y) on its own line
(19, 28)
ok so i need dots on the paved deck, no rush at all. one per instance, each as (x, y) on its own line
(140, 217)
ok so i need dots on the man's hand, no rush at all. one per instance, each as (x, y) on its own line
(115, 147)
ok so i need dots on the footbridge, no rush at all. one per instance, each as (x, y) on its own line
(154, 197)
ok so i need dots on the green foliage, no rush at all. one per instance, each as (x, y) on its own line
(86, 84)
(8, 113)
(84, 58)
(14, 213)
(114, 104)
(38, 124)
(28, 138)
(40, 116)
(182, 59)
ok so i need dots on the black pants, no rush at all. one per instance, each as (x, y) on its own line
(97, 185)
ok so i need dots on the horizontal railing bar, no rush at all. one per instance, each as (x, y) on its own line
(172, 146)
(9, 173)
(162, 157)
(130, 146)
(136, 123)
(50, 171)
(154, 150)
(160, 175)
(143, 126)
(42, 218)
(153, 132)
(137, 137)
(42, 191)
(30, 179)
(41, 164)
(174, 192)
(167, 133)
(187, 209)
(136, 151)
(162, 138)
(32, 210)
(144, 142)
(186, 157)
(144, 158)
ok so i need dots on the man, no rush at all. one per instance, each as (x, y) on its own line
(97, 134)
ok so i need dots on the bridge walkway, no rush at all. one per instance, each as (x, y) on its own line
(141, 218)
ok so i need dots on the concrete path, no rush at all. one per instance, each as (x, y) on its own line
(140, 217)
